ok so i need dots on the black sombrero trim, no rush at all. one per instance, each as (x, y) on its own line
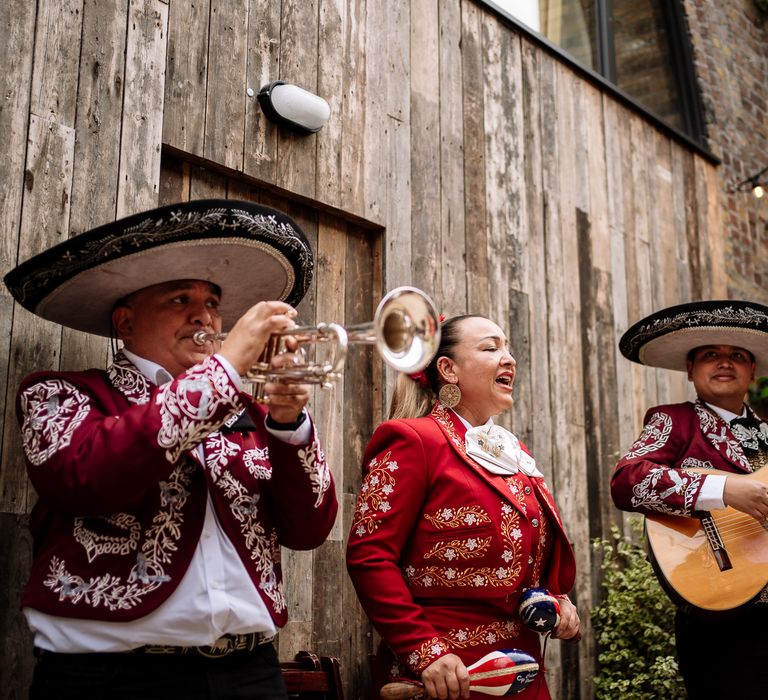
(724, 317)
(277, 255)
(170, 224)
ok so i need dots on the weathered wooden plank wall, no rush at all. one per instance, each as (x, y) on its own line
(460, 157)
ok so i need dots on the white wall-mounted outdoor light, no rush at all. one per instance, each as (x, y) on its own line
(294, 107)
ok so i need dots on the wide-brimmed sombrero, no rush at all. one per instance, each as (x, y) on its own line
(665, 338)
(253, 253)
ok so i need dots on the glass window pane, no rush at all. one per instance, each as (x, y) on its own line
(571, 24)
(641, 57)
(568, 23)
(644, 66)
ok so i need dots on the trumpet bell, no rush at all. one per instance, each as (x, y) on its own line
(407, 329)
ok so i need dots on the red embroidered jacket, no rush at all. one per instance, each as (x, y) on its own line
(433, 524)
(654, 475)
(122, 491)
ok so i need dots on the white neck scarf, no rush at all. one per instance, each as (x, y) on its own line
(498, 450)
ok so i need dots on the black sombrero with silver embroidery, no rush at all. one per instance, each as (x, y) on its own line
(253, 253)
(665, 338)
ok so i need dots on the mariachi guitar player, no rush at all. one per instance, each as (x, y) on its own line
(694, 471)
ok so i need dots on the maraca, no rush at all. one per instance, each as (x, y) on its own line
(500, 673)
(539, 610)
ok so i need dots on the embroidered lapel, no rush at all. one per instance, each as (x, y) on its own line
(719, 435)
(132, 384)
(128, 380)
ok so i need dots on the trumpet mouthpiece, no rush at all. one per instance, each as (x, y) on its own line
(202, 337)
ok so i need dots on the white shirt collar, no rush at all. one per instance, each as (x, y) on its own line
(154, 372)
(468, 425)
(727, 416)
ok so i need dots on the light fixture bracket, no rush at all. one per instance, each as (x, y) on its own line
(757, 183)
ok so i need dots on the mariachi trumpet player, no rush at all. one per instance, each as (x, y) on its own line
(165, 492)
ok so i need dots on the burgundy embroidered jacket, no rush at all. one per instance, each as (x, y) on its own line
(431, 523)
(654, 475)
(122, 492)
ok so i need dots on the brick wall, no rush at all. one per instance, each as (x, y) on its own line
(730, 52)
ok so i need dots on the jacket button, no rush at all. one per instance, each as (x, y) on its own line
(527, 490)
(530, 559)
(535, 522)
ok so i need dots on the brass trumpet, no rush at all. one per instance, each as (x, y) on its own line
(405, 331)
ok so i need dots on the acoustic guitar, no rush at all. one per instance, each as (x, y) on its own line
(715, 564)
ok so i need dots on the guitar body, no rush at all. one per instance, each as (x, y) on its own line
(697, 576)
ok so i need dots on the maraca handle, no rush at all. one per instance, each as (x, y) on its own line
(401, 690)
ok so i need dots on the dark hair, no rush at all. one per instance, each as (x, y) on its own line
(449, 339)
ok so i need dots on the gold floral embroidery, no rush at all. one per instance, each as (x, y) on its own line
(541, 549)
(463, 638)
(443, 417)
(470, 548)
(378, 485)
(424, 655)
(453, 577)
(458, 517)
(512, 536)
(450, 577)
(481, 635)
(516, 489)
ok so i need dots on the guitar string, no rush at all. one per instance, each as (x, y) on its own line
(741, 532)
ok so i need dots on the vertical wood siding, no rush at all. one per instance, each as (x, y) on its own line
(459, 157)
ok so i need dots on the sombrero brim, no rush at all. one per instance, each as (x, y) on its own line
(251, 252)
(665, 338)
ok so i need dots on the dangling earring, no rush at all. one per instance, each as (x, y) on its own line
(449, 395)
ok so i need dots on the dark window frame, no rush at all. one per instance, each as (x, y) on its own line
(681, 55)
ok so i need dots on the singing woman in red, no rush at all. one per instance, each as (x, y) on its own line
(454, 521)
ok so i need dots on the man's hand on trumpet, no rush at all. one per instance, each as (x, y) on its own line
(246, 340)
(286, 401)
(244, 346)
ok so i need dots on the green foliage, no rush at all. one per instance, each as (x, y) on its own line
(762, 5)
(634, 626)
(758, 391)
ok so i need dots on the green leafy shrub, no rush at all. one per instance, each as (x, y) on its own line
(758, 390)
(634, 626)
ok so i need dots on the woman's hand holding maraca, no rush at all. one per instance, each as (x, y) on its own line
(446, 678)
(569, 625)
